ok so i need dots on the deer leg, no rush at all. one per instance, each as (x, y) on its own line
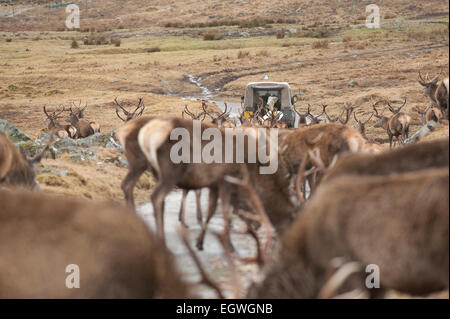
(129, 182)
(198, 192)
(225, 197)
(212, 205)
(182, 209)
(158, 197)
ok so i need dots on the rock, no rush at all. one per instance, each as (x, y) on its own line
(53, 171)
(244, 34)
(15, 134)
(422, 132)
(352, 83)
(298, 10)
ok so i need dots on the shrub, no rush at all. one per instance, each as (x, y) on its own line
(212, 36)
(281, 34)
(116, 42)
(243, 54)
(263, 52)
(153, 49)
(74, 44)
(322, 44)
(8, 39)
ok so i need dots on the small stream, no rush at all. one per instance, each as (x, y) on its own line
(212, 256)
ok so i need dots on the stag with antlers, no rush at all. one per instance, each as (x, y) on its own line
(362, 124)
(58, 129)
(138, 111)
(397, 125)
(437, 91)
(219, 119)
(348, 110)
(76, 118)
(429, 114)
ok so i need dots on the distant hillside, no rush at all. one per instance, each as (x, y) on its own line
(110, 14)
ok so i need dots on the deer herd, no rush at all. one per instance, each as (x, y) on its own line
(337, 203)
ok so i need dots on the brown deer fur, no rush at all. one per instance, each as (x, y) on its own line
(155, 143)
(429, 114)
(137, 162)
(397, 125)
(438, 92)
(58, 129)
(410, 158)
(84, 127)
(40, 235)
(331, 139)
(398, 222)
(15, 168)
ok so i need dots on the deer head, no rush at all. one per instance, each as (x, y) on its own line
(331, 119)
(315, 119)
(193, 116)
(394, 110)
(79, 111)
(302, 116)
(362, 124)
(218, 118)
(52, 117)
(130, 115)
(429, 86)
(382, 121)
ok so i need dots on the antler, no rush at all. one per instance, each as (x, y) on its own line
(330, 119)
(348, 111)
(421, 79)
(300, 114)
(362, 122)
(140, 106)
(45, 111)
(395, 111)
(375, 109)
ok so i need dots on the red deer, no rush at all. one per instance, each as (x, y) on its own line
(397, 125)
(199, 116)
(331, 140)
(333, 119)
(117, 255)
(58, 129)
(437, 91)
(137, 162)
(130, 115)
(155, 143)
(15, 168)
(369, 147)
(94, 125)
(315, 119)
(219, 119)
(398, 222)
(429, 114)
(84, 128)
(410, 158)
(302, 117)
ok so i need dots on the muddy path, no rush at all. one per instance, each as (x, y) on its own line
(212, 256)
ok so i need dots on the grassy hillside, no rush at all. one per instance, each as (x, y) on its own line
(112, 14)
